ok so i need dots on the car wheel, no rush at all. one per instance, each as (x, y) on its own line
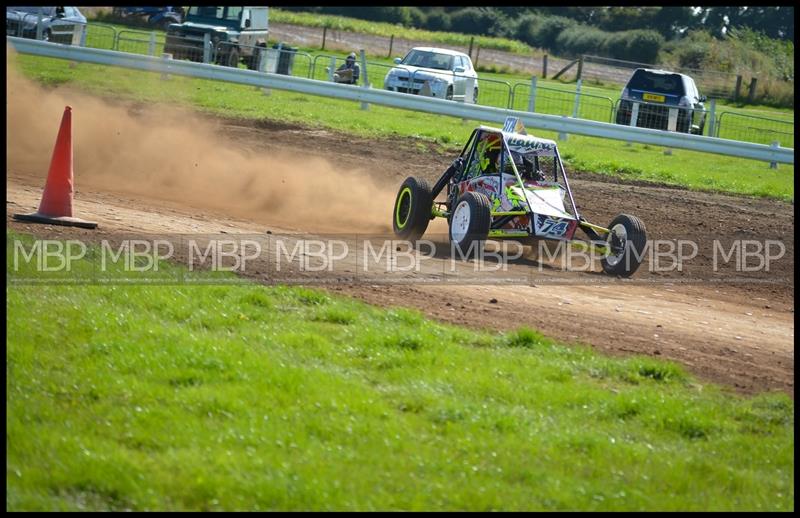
(449, 94)
(470, 221)
(684, 122)
(475, 97)
(627, 239)
(46, 35)
(412, 209)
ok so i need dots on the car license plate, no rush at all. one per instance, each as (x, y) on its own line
(653, 97)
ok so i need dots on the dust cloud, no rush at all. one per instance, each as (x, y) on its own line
(158, 152)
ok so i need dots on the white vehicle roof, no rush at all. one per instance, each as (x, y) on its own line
(440, 51)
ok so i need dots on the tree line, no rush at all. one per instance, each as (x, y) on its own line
(621, 32)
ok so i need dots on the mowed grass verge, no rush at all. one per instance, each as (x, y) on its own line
(701, 171)
(243, 397)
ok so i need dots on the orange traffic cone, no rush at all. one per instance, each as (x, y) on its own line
(56, 205)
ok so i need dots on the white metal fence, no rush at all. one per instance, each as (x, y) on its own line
(563, 124)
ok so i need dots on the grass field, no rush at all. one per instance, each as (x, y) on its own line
(247, 397)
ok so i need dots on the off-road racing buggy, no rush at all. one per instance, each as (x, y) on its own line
(507, 184)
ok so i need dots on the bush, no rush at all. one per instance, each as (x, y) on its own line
(401, 15)
(643, 46)
(527, 29)
(581, 39)
(438, 20)
(419, 19)
(548, 31)
(475, 20)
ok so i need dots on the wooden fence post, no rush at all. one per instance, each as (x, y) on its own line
(752, 93)
(471, 41)
(738, 91)
(324, 35)
(544, 67)
(391, 44)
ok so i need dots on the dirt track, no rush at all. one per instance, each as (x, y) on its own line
(739, 334)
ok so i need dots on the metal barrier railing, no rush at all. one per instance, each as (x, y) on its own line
(554, 101)
(658, 116)
(188, 48)
(493, 92)
(321, 65)
(751, 128)
(140, 42)
(100, 36)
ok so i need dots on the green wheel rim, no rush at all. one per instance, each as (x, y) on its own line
(403, 207)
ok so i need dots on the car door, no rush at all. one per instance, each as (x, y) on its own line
(459, 78)
(470, 76)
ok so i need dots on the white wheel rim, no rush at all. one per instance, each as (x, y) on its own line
(459, 224)
(622, 234)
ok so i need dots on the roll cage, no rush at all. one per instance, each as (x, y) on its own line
(510, 143)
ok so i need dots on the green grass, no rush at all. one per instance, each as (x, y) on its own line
(275, 398)
(695, 170)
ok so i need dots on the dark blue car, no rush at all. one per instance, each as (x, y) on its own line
(655, 93)
(154, 16)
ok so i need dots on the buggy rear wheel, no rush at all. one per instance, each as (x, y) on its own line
(627, 239)
(470, 221)
(412, 209)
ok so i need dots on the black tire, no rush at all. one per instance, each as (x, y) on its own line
(449, 94)
(470, 221)
(475, 97)
(252, 61)
(47, 35)
(684, 124)
(412, 209)
(630, 246)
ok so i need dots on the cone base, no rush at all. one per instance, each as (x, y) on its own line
(49, 220)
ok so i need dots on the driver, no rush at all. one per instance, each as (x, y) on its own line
(529, 172)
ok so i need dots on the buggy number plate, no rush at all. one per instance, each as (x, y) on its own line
(550, 227)
(654, 97)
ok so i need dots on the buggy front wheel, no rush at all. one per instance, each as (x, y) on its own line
(412, 209)
(470, 221)
(626, 239)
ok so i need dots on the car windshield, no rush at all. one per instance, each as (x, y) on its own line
(427, 59)
(662, 83)
(35, 9)
(219, 13)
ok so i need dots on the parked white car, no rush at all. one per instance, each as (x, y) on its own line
(441, 73)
